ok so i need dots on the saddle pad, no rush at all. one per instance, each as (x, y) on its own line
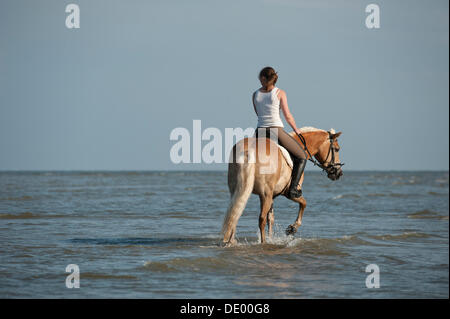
(286, 155)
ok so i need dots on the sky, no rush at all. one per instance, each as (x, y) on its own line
(106, 96)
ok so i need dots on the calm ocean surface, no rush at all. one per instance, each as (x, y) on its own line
(155, 235)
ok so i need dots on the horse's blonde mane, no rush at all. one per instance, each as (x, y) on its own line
(307, 129)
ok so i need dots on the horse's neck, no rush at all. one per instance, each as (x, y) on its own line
(314, 140)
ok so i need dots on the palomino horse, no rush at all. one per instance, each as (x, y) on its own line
(271, 177)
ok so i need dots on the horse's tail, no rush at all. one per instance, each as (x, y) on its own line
(241, 178)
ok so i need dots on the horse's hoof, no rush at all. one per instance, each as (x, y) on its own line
(224, 244)
(229, 243)
(291, 230)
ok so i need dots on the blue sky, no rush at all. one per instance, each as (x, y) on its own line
(106, 96)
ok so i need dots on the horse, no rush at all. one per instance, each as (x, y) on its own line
(269, 176)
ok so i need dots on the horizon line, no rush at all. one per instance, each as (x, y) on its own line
(201, 170)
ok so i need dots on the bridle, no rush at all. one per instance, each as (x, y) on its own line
(332, 167)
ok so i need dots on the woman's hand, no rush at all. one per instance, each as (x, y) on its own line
(297, 131)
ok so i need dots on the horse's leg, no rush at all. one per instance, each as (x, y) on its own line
(292, 229)
(266, 204)
(271, 219)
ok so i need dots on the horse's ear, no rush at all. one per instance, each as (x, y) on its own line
(335, 136)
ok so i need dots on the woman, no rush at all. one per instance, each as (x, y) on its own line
(267, 102)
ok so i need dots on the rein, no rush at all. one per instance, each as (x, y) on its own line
(332, 166)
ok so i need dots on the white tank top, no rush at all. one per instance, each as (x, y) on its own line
(268, 108)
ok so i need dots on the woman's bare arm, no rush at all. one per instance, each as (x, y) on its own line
(287, 114)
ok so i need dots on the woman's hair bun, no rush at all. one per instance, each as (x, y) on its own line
(270, 74)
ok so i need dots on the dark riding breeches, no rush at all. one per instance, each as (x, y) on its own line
(284, 139)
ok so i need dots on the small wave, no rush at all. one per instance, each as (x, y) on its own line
(442, 180)
(28, 215)
(398, 195)
(150, 193)
(136, 241)
(437, 194)
(411, 181)
(132, 173)
(346, 196)
(181, 215)
(211, 236)
(17, 198)
(196, 264)
(91, 275)
(389, 195)
(344, 239)
(262, 283)
(395, 260)
(376, 195)
(68, 190)
(158, 266)
(427, 214)
(400, 237)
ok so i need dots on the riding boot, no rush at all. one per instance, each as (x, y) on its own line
(297, 171)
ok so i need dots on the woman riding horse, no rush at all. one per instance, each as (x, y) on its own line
(267, 102)
(271, 175)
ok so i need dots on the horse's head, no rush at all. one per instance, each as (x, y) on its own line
(328, 156)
